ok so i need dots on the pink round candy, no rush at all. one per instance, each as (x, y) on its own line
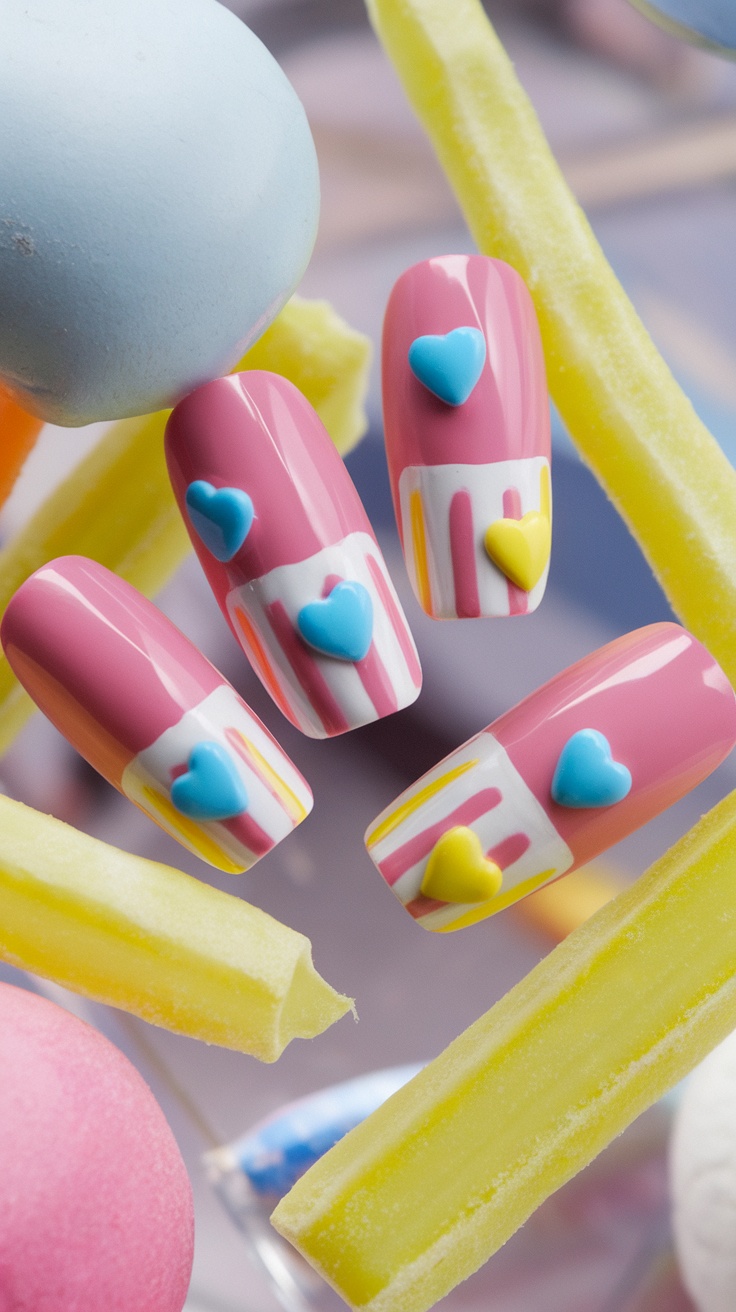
(95, 1203)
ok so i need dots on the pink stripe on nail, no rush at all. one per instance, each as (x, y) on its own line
(244, 829)
(371, 670)
(375, 679)
(518, 598)
(398, 862)
(307, 671)
(462, 550)
(397, 621)
(504, 855)
(510, 850)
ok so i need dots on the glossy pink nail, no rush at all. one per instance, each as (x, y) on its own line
(466, 418)
(289, 553)
(588, 758)
(146, 709)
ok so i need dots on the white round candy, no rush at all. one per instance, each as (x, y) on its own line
(703, 1172)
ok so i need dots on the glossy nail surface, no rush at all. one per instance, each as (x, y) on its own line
(582, 762)
(467, 426)
(302, 582)
(149, 712)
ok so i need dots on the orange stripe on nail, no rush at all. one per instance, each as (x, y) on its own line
(259, 657)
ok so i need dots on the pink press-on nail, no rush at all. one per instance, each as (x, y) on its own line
(289, 553)
(148, 711)
(466, 417)
(582, 762)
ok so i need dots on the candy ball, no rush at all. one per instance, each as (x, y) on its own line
(95, 1203)
(703, 1172)
(704, 22)
(159, 200)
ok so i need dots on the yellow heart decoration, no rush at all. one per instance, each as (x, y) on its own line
(457, 870)
(520, 547)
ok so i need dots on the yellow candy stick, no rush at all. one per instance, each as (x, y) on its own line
(426, 1189)
(149, 939)
(329, 362)
(630, 420)
(117, 505)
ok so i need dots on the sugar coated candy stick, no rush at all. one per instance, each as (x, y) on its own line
(149, 939)
(289, 552)
(328, 361)
(575, 767)
(146, 709)
(466, 417)
(666, 474)
(117, 505)
(423, 1192)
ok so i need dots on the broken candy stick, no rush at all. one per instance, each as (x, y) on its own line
(142, 936)
(433, 1183)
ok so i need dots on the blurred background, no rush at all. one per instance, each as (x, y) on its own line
(645, 130)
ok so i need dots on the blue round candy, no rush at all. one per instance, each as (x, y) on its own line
(158, 203)
(706, 22)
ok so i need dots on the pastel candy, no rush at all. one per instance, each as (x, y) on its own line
(457, 870)
(341, 624)
(210, 788)
(586, 774)
(704, 22)
(163, 182)
(222, 517)
(520, 547)
(95, 1204)
(449, 364)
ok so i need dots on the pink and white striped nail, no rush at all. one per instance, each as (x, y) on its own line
(142, 704)
(467, 425)
(289, 552)
(579, 764)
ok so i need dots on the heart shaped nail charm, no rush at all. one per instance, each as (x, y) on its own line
(341, 624)
(211, 789)
(586, 774)
(520, 547)
(450, 365)
(457, 870)
(221, 517)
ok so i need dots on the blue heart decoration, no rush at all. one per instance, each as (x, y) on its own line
(211, 789)
(341, 624)
(221, 517)
(586, 774)
(449, 366)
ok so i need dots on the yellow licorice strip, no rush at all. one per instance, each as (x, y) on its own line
(429, 1186)
(630, 420)
(117, 505)
(149, 939)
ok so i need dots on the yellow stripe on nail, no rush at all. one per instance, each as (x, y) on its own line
(419, 541)
(292, 804)
(498, 903)
(193, 836)
(413, 803)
